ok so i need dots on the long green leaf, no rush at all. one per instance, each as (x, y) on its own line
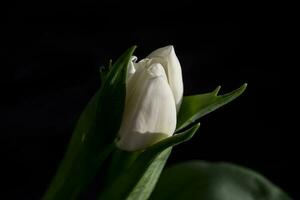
(146, 184)
(138, 180)
(199, 180)
(196, 106)
(93, 136)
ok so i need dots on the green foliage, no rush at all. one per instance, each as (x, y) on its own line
(93, 136)
(196, 106)
(199, 180)
(138, 179)
(133, 175)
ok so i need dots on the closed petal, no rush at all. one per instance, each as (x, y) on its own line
(134, 79)
(150, 111)
(131, 68)
(167, 57)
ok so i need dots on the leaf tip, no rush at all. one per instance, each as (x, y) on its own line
(197, 125)
(216, 91)
(244, 86)
(193, 130)
(133, 48)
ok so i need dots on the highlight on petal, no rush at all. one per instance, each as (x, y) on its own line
(167, 57)
(150, 111)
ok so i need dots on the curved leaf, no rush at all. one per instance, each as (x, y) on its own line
(196, 106)
(93, 136)
(138, 180)
(199, 180)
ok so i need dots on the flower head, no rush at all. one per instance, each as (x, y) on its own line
(154, 92)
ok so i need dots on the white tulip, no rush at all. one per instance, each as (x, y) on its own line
(154, 92)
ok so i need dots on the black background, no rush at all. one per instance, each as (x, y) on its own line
(50, 69)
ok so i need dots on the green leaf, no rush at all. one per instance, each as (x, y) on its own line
(196, 106)
(139, 178)
(146, 184)
(93, 136)
(105, 70)
(199, 180)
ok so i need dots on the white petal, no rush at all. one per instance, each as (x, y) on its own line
(136, 77)
(167, 57)
(131, 68)
(150, 111)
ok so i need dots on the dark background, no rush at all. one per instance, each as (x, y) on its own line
(50, 62)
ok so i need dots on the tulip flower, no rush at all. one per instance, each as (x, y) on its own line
(154, 91)
(149, 108)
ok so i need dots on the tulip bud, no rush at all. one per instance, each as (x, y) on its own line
(153, 98)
